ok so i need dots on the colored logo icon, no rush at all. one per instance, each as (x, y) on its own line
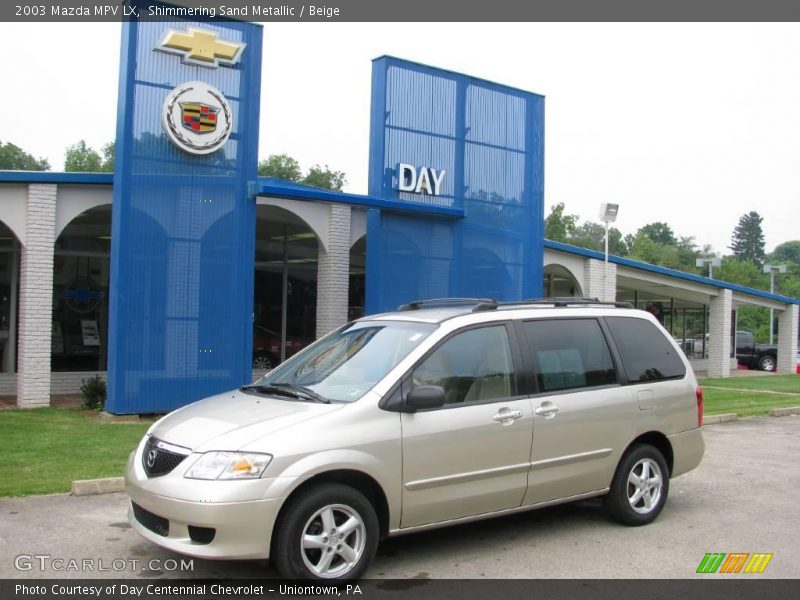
(197, 117)
(200, 118)
(734, 562)
(201, 48)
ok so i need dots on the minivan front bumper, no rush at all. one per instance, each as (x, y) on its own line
(242, 529)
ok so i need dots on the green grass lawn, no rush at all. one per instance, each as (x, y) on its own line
(44, 449)
(751, 402)
(773, 383)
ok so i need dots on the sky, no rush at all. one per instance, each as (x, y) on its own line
(690, 124)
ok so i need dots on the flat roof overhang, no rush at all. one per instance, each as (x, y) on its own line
(686, 286)
(277, 188)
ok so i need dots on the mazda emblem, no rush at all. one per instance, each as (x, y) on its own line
(151, 457)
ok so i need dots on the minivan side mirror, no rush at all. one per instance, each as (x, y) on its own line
(425, 396)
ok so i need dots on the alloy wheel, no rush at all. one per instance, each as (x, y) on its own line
(333, 541)
(645, 482)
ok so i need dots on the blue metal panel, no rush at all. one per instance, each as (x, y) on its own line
(489, 140)
(180, 314)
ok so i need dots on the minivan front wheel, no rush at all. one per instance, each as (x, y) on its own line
(329, 532)
(640, 486)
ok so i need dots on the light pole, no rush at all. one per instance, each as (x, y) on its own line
(712, 262)
(608, 214)
(772, 269)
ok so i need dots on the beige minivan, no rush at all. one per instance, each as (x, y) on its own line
(440, 413)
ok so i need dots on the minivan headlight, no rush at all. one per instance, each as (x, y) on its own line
(229, 465)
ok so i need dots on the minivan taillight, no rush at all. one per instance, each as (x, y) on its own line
(699, 393)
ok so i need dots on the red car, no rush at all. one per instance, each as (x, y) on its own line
(267, 347)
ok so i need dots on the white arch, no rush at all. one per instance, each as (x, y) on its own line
(560, 269)
(14, 203)
(76, 199)
(358, 225)
(314, 214)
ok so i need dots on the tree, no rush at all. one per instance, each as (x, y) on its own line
(14, 158)
(285, 167)
(747, 241)
(323, 177)
(109, 151)
(743, 272)
(281, 166)
(81, 158)
(660, 233)
(787, 252)
(592, 236)
(558, 226)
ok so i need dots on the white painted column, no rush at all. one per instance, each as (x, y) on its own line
(333, 270)
(787, 339)
(36, 298)
(594, 284)
(719, 332)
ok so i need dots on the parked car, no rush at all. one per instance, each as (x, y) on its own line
(763, 357)
(439, 413)
(267, 347)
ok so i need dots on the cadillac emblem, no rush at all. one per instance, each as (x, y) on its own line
(197, 117)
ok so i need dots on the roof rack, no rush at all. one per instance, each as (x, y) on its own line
(556, 302)
(443, 302)
(573, 301)
(481, 304)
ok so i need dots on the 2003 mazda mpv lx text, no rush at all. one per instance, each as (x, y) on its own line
(442, 412)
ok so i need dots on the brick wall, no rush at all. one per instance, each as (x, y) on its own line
(787, 339)
(333, 271)
(36, 298)
(594, 280)
(719, 333)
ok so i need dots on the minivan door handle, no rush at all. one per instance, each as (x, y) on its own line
(507, 417)
(548, 410)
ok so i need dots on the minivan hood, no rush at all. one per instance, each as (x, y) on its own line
(234, 419)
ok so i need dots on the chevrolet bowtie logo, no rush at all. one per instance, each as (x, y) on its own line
(201, 47)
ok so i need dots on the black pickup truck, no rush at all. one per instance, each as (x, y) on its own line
(763, 357)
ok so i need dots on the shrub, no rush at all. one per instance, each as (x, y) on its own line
(93, 392)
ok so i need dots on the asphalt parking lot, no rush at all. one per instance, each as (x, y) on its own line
(743, 498)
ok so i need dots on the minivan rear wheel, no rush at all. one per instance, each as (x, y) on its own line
(640, 486)
(328, 532)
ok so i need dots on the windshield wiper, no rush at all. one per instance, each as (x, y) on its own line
(305, 391)
(270, 389)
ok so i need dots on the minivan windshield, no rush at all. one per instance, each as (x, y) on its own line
(345, 365)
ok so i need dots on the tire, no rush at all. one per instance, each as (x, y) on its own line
(766, 363)
(263, 361)
(300, 546)
(633, 504)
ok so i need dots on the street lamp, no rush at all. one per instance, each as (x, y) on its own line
(712, 262)
(772, 269)
(608, 214)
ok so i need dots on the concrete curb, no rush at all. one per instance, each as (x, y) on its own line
(716, 419)
(784, 412)
(91, 487)
(106, 416)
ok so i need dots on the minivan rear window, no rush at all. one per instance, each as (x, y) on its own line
(646, 353)
(569, 354)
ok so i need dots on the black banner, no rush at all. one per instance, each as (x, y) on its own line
(713, 588)
(67, 11)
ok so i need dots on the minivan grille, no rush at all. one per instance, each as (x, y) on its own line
(159, 458)
(156, 524)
